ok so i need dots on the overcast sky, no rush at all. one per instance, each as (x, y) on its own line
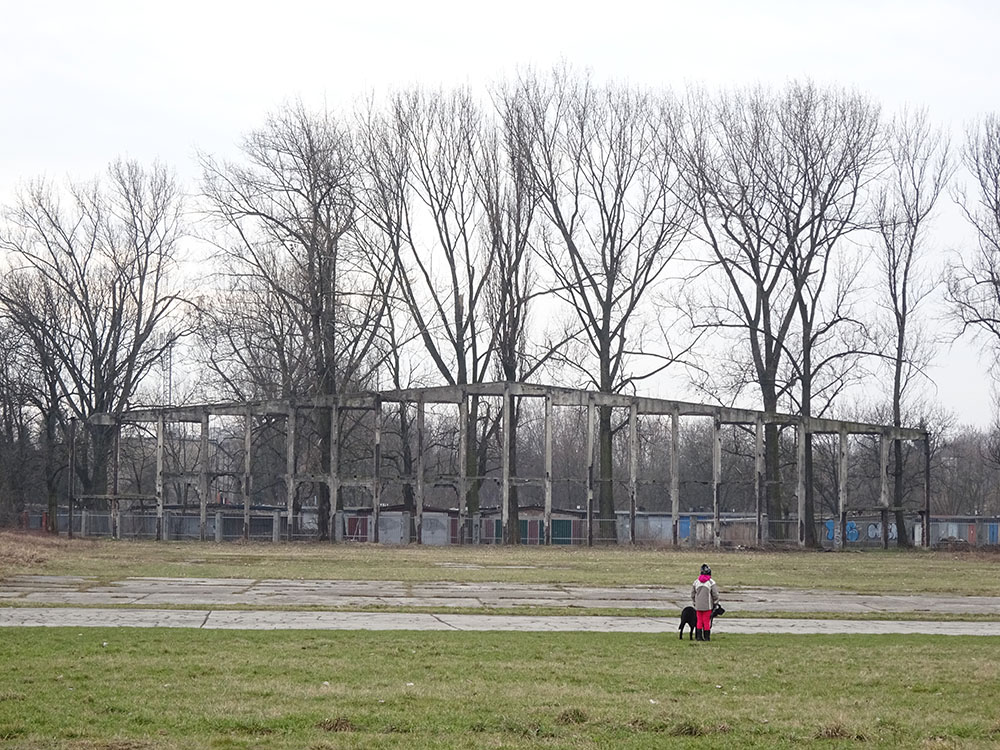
(83, 82)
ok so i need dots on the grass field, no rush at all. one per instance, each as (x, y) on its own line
(137, 689)
(918, 571)
(133, 689)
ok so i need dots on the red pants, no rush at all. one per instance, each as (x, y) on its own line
(704, 619)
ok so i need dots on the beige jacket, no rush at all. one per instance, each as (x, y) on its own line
(704, 596)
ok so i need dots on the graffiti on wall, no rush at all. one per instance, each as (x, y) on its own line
(856, 532)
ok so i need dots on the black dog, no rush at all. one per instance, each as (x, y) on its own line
(689, 618)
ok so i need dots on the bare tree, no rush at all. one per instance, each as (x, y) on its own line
(308, 315)
(921, 166)
(90, 287)
(973, 285)
(422, 159)
(601, 160)
(776, 181)
(510, 206)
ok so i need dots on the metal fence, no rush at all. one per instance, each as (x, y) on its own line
(440, 528)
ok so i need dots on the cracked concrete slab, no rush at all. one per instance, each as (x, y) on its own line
(283, 620)
(150, 591)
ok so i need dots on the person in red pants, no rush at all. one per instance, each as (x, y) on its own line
(704, 597)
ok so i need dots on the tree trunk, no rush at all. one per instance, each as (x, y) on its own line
(606, 496)
(772, 464)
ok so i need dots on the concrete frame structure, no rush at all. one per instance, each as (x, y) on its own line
(553, 397)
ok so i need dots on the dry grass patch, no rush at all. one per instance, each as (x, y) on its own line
(571, 716)
(837, 730)
(21, 551)
(340, 724)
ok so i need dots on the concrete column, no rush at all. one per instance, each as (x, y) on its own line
(884, 487)
(633, 467)
(290, 486)
(84, 522)
(800, 465)
(376, 470)
(115, 488)
(463, 474)
(716, 481)
(548, 469)
(419, 493)
(276, 526)
(590, 473)
(505, 466)
(160, 436)
(218, 526)
(840, 535)
(927, 491)
(203, 482)
(675, 478)
(247, 466)
(760, 481)
(333, 480)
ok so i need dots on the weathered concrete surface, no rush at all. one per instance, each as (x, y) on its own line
(298, 620)
(347, 594)
(83, 602)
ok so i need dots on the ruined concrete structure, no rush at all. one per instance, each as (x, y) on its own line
(552, 398)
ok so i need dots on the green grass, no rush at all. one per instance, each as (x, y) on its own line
(131, 689)
(875, 571)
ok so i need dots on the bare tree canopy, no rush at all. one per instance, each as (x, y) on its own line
(974, 283)
(91, 287)
(298, 308)
(601, 160)
(777, 181)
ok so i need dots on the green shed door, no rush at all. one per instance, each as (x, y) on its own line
(562, 531)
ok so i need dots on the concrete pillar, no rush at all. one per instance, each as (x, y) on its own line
(419, 492)
(840, 535)
(884, 487)
(376, 471)
(160, 438)
(218, 526)
(276, 526)
(590, 472)
(800, 491)
(333, 480)
(675, 478)
(548, 468)
(760, 483)
(247, 444)
(84, 522)
(716, 481)
(505, 438)
(927, 491)
(290, 484)
(463, 469)
(633, 467)
(203, 480)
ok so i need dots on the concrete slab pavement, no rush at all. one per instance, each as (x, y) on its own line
(298, 620)
(277, 605)
(290, 594)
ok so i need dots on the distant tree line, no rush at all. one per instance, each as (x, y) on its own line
(772, 248)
